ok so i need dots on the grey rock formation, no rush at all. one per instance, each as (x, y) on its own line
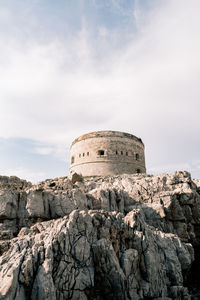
(76, 177)
(122, 237)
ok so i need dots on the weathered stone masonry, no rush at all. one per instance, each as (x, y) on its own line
(107, 153)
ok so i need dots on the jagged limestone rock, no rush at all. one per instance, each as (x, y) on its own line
(123, 237)
(75, 177)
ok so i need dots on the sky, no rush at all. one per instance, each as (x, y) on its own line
(68, 67)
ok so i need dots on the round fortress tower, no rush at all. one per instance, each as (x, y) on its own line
(104, 153)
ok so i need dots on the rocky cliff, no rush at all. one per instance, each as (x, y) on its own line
(123, 237)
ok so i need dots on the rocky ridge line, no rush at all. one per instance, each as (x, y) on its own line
(122, 237)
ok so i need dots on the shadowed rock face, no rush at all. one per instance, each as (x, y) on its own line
(122, 237)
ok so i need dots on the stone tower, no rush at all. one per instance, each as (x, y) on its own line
(104, 153)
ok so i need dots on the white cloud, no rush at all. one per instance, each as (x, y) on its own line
(43, 150)
(57, 151)
(170, 168)
(24, 173)
(52, 92)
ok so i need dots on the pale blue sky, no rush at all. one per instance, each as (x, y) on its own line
(68, 67)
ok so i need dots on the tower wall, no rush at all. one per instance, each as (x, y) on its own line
(107, 153)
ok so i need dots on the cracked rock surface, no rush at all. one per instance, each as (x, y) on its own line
(121, 237)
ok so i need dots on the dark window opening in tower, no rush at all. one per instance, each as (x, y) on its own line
(116, 152)
(126, 153)
(122, 153)
(138, 171)
(72, 160)
(137, 156)
(101, 152)
(87, 153)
